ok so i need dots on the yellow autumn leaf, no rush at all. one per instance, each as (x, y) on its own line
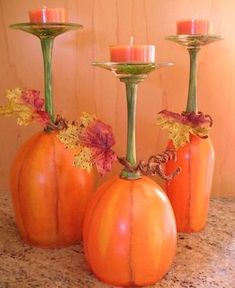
(14, 95)
(5, 111)
(24, 116)
(180, 133)
(22, 111)
(13, 105)
(86, 119)
(83, 160)
(200, 131)
(69, 136)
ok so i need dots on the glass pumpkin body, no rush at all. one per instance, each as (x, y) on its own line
(129, 232)
(189, 192)
(49, 194)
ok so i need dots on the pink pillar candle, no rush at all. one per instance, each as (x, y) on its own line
(193, 27)
(48, 15)
(133, 53)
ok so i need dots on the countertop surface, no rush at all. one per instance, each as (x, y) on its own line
(203, 260)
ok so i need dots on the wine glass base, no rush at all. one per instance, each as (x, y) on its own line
(131, 69)
(193, 41)
(46, 29)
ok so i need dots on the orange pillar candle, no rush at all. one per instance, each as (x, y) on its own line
(133, 53)
(193, 27)
(48, 15)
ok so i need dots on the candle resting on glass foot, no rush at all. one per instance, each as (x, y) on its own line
(131, 74)
(193, 43)
(189, 192)
(133, 209)
(49, 194)
(47, 32)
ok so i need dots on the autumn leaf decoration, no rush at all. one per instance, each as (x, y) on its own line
(26, 105)
(93, 137)
(180, 126)
(95, 140)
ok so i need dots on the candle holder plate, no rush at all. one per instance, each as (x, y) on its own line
(130, 69)
(46, 29)
(194, 40)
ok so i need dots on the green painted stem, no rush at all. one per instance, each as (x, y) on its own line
(192, 91)
(47, 47)
(131, 90)
(131, 94)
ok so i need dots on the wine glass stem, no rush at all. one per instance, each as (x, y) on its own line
(192, 91)
(47, 47)
(131, 84)
(131, 95)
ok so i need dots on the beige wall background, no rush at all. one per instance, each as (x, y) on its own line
(80, 87)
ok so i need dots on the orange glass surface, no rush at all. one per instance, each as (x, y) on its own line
(49, 194)
(189, 192)
(129, 232)
(79, 87)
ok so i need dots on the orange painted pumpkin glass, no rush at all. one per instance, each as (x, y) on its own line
(129, 232)
(189, 192)
(49, 194)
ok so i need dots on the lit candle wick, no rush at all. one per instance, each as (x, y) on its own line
(44, 16)
(131, 41)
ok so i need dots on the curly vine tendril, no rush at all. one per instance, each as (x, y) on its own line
(154, 165)
(60, 124)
